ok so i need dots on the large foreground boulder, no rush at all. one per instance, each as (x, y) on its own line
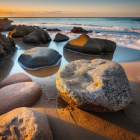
(37, 37)
(21, 31)
(96, 85)
(60, 37)
(18, 95)
(7, 47)
(39, 57)
(80, 30)
(90, 46)
(15, 78)
(24, 124)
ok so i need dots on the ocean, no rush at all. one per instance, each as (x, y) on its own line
(125, 31)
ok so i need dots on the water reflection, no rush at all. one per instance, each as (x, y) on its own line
(44, 72)
(71, 56)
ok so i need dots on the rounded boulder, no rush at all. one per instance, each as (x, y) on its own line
(18, 95)
(96, 85)
(15, 78)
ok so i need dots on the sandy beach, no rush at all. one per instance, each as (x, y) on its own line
(69, 123)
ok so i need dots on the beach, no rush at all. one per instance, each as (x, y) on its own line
(72, 123)
(69, 123)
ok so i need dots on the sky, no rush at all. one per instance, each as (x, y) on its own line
(69, 8)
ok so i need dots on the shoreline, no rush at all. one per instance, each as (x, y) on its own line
(74, 124)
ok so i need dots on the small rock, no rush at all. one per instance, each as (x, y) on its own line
(60, 37)
(24, 123)
(80, 30)
(15, 78)
(96, 85)
(53, 29)
(18, 95)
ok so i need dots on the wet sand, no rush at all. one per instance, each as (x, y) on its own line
(69, 123)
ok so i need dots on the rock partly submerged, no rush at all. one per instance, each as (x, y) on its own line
(37, 37)
(21, 31)
(90, 46)
(17, 95)
(53, 29)
(24, 123)
(39, 57)
(60, 37)
(80, 30)
(15, 78)
(7, 47)
(96, 85)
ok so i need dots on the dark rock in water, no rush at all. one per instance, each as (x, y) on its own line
(37, 37)
(12, 27)
(44, 28)
(15, 78)
(39, 57)
(80, 30)
(96, 85)
(7, 47)
(25, 124)
(90, 46)
(53, 29)
(17, 95)
(60, 37)
(21, 31)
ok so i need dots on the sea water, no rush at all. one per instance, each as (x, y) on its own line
(125, 31)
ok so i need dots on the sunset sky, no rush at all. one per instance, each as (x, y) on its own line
(69, 8)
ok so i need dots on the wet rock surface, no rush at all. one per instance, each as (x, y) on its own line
(24, 123)
(17, 95)
(21, 31)
(39, 57)
(96, 85)
(60, 37)
(90, 46)
(15, 78)
(37, 37)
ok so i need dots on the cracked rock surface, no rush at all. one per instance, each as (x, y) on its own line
(96, 85)
(24, 124)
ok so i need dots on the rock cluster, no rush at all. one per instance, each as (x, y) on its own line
(21, 31)
(37, 37)
(96, 85)
(39, 57)
(79, 30)
(7, 47)
(60, 37)
(23, 123)
(92, 46)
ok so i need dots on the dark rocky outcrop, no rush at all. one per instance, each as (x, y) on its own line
(37, 37)
(24, 123)
(96, 85)
(21, 31)
(53, 29)
(39, 57)
(80, 30)
(7, 47)
(60, 37)
(90, 46)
